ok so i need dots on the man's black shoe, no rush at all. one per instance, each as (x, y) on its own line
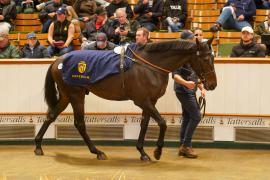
(215, 28)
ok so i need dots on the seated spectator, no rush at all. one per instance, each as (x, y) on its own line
(85, 10)
(33, 49)
(263, 27)
(25, 6)
(101, 43)
(6, 49)
(60, 35)
(115, 4)
(142, 36)
(175, 12)
(248, 46)
(235, 15)
(125, 30)
(48, 14)
(149, 11)
(7, 14)
(99, 24)
(262, 4)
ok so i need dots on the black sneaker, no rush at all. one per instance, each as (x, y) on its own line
(215, 28)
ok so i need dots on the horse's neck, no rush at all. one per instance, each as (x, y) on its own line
(169, 60)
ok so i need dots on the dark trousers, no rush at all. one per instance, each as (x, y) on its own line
(191, 117)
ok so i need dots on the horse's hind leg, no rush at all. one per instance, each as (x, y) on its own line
(51, 117)
(140, 143)
(77, 102)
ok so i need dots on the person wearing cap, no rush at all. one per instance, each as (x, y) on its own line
(48, 14)
(116, 4)
(125, 30)
(7, 50)
(7, 14)
(235, 14)
(33, 49)
(248, 46)
(101, 43)
(61, 33)
(185, 87)
(99, 24)
(149, 13)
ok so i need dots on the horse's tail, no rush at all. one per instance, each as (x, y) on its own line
(50, 89)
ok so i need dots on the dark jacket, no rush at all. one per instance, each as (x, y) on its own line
(142, 9)
(112, 8)
(245, 7)
(131, 26)
(8, 11)
(249, 50)
(52, 7)
(187, 73)
(39, 51)
(176, 8)
(90, 30)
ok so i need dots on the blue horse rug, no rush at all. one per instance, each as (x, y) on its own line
(86, 67)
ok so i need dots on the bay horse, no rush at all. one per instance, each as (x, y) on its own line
(144, 83)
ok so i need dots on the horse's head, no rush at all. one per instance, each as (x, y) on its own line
(203, 64)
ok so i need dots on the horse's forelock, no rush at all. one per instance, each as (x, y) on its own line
(170, 45)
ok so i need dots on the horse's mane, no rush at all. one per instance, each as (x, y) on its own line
(170, 45)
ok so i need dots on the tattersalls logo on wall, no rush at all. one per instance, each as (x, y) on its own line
(172, 120)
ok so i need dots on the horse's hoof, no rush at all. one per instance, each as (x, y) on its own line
(145, 158)
(39, 152)
(102, 156)
(157, 153)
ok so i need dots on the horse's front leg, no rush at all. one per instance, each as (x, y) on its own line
(77, 102)
(140, 143)
(149, 108)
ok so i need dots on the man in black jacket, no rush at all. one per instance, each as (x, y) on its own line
(149, 11)
(99, 24)
(248, 46)
(33, 49)
(175, 12)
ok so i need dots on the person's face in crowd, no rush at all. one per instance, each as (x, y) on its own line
(61, 17)
(57, 1)
(247, 37)
(32, 41)
(122, 17)
(198, 34)
(100, 18)
(4, 42)
(102, 45)
(141, 39)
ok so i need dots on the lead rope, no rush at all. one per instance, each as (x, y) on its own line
(202, 105)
